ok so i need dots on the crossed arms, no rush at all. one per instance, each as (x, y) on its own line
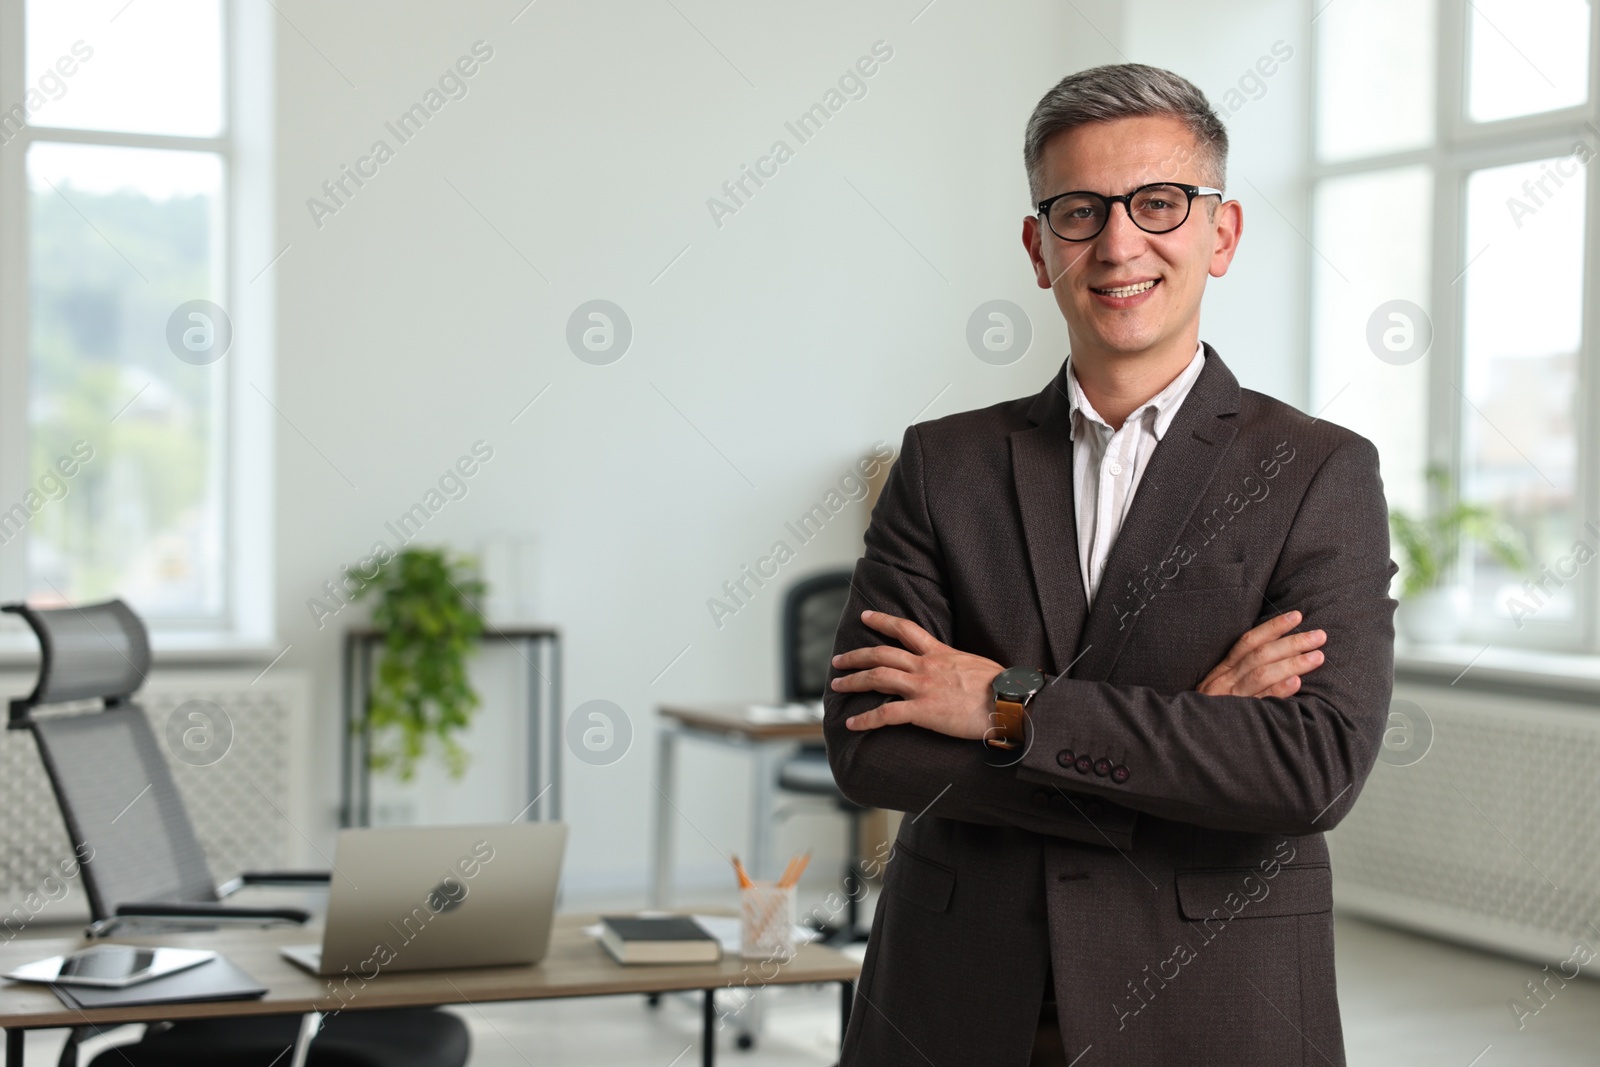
(1276, 738)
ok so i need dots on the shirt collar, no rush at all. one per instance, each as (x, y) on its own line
(1163, 406)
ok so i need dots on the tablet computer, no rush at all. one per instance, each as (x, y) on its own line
(111, 966)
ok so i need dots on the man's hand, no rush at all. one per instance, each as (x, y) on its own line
(1265, 663)
(940, 688)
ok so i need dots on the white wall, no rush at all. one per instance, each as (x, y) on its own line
(827, 314)
(1255, 315)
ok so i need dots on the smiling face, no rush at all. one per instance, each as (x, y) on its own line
(1126, 294)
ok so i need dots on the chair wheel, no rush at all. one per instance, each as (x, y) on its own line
(653, 999)
(746, 1042)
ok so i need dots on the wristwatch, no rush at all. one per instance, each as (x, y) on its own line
(1013, 689)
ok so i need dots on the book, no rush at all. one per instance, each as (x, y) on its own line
(663, 939)
(217, 979)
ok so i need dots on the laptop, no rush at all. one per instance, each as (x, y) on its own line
(411, 898)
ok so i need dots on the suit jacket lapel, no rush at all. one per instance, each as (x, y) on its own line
(1180, 470)
(1041, 465)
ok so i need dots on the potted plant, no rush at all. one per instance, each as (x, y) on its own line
(1432, 606)
(427, 610)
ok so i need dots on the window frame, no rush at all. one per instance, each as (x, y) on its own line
(1459, 147)
(242, 473)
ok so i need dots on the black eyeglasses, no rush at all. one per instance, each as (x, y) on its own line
(1157, 208)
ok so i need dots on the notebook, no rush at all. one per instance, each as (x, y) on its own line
(664, 939)
(217, 980)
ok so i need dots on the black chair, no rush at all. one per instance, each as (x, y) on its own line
(812, 609)
(140, 858)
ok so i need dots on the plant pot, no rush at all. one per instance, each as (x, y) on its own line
(1434, 616)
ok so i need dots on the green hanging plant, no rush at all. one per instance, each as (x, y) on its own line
(427, 611)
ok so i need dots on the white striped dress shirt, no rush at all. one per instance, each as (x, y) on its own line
(1107, 464)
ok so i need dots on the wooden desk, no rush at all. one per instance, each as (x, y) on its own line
(576, 966)
(735, 719)
(767, 744)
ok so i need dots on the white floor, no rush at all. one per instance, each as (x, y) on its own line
(1408, 1001)
(1411, 1001)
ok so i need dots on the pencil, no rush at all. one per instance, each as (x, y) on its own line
(744, 879)
(799, 865)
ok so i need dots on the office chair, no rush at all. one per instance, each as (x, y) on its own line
(812, 609)
(143, 861)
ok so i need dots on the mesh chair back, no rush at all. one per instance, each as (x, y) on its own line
(811, 612)
(114, 787)
(99, 651)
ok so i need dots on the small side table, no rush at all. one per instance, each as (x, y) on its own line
(540, 649)
(767, 744)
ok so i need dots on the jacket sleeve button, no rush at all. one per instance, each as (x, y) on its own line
(1119, 774)
(1102, 767)
(1065, 757)
(1040, 798)
(1084, 764)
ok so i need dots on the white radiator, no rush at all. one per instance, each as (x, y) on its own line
(249, 808)
(1493, 837)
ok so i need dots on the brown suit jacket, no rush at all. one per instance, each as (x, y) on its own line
(1159, 851)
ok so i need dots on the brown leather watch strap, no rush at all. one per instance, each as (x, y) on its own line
(1006, 729)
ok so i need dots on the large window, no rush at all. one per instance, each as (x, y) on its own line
(1454, 290)
(120, 363)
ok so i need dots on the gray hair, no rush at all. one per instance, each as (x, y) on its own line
(1119, 91)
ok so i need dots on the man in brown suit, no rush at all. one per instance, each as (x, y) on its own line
(1142, 874)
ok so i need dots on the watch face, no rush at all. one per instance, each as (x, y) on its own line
(1017, 684)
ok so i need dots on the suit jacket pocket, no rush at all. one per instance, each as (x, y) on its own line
(1208, 576)
(920, 880)
(1245, 892)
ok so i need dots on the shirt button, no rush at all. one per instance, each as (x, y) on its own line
(1116, 468)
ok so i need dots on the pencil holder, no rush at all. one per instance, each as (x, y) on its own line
(766, 927)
